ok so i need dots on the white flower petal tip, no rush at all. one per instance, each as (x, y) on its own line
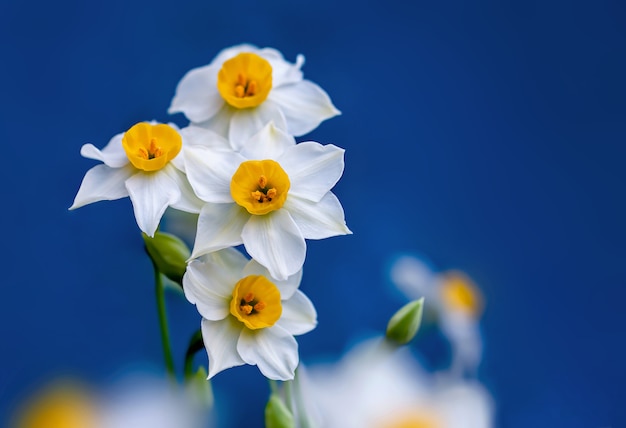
(249, 317)
(140, 163)
(271, 88)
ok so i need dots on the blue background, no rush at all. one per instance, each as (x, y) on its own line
(487, 135)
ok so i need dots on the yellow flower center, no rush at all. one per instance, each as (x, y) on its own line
(245, 80)
(260, 186)
(460, 294)
(256, 302)
(58, 407)
(151, 147)
(413, 419)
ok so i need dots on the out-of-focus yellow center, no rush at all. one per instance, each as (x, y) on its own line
(151, 147)
(256, 302)
(245, 80)
(58, 407)
(459, 293)
(413, 419)
(260, 186)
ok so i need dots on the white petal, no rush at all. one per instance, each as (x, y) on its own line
(283, 72)
(199, 291)
(219, 226)
(151, 194)
(208, 282)
(210, 172)
(304, 104)
(269, 143)
(248, 121)
(286, 287)
(112, 154)
(415, 277)
(102, 183)
(272, 349)
(220, 122)
(318, 220)
(188, 201)
(275, 241)
(220, 340)
(313, 169)
(299, 315)
(197, 95)
(228, 53)
(199, 136)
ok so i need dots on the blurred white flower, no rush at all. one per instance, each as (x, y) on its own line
(135, 400)
(271, 196)
(248, 317)
(146, 401)
(456, 302)
(144, 163)
(244, 88)
(376, 386)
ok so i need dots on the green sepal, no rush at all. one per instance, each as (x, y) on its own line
(277, 415)
(169, 254)
(405, 323)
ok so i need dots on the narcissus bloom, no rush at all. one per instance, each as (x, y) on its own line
(456, 302)
(244, 88)
(386, 387)
(144, 163)
(248, 317)
(270, 196)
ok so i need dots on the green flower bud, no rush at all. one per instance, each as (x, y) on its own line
(200, 388)
(168, 253)
(404, 324)
(277, 415)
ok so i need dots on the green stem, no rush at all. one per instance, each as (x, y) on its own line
(303, 418)
(195, 344)
(289, 395)
(165, 336)
(273, 386)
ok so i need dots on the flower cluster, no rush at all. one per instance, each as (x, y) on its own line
(456, 306)
(238, 166)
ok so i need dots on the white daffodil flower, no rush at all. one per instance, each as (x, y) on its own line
(270, 196)
(244, 88)
(375, 386)
(144, 163)
(248, 317)
(456, 302)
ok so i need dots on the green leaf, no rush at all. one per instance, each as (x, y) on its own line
(277, 415)
(403, 325)
(169, 254)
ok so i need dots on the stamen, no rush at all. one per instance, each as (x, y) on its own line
(142, 153)
(262, 181)
(271, 193)
(259, 306)
(251, 89)
(240, 91)
(241, 79)
(154, 151)
(257, 195)
(246, 309)
(248, 297)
